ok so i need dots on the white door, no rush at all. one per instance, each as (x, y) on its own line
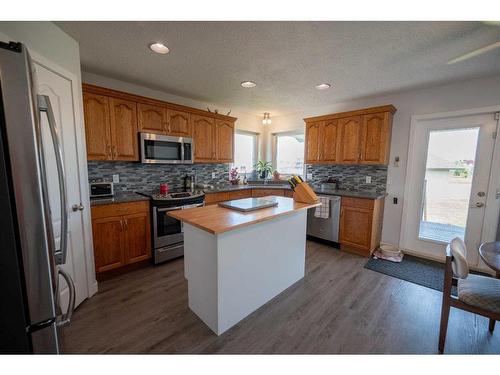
(448, 172)
(59, 89)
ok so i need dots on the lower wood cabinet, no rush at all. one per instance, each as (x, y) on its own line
(121, 234)
(360, 224)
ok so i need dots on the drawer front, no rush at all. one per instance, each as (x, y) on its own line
(119, 209)
(358, 203)
(240, 194)
(266, 192)
(213, 198)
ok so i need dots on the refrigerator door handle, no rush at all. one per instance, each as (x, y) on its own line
(45, 106)
(65, 319)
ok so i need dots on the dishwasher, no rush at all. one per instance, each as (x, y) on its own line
(325, 229)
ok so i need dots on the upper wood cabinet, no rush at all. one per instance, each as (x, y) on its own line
(329, 139)
(178, 123)
(375, 138)
(152, 119)
(313, 142)
(224, 141)
(124, 145)
(113, 120)
(204, 138)
(350, 134)
(97, 126)
(356, 137)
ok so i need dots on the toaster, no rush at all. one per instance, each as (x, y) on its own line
(101, 189)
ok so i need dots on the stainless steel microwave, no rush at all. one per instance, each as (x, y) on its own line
(156, 148)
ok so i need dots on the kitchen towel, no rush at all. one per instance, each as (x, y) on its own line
(323, 211)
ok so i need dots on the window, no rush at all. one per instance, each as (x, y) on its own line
(245, 150)
(289, 153)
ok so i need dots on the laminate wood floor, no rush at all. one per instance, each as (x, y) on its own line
(339, 307)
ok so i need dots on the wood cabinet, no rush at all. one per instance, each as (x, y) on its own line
(313, 141)
(224, 141)
(110, 128)
(350, 134)
(124, 145)
(152, 118)
(121, 234)
(375, 138)
(360, 224)
(178, 123)
(113, 120)
(356, 137)
(204, 138)
(97, 126)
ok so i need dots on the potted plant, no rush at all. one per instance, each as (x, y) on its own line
(264, 168)
(233, 176)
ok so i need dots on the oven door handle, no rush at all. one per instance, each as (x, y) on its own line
(169, 209)
(192, 205)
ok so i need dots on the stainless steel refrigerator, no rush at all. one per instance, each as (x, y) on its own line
(29, 261)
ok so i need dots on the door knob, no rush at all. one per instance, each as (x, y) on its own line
(477, 205)
(77, 207)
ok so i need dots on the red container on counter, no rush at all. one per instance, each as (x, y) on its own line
(163, 189)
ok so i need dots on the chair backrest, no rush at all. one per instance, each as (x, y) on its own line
(459, 262)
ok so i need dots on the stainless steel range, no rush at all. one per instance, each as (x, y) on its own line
(168, 236)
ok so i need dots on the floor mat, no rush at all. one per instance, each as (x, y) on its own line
(419, 271)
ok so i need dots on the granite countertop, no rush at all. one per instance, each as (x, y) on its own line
(317, 190)
(119, 198)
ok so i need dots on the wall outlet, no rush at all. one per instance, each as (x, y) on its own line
(116, 178)
(368, 179)
(213, 175)
(309, 176)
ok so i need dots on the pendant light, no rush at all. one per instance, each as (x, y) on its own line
(267, 119)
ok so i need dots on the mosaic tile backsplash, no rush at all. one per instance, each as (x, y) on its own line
(351, 177)
(143, 177)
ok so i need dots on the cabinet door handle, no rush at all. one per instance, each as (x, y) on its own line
(126, 224)
(121, 225)
(110, 154)
(114, 152)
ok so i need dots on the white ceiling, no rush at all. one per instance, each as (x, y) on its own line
(208, 60)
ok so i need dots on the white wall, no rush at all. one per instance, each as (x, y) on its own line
(460, 95)
(246, 121)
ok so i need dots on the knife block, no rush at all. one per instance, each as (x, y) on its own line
(304, 194)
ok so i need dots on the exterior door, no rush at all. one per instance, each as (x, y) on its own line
(447, 187)
(329, 141)
(224, 141)
(151, 118)
(375, 138)
(59, 89)
(350, 134)
(204, 138)
(97, 126)
(124, 129)
(178, 123)
(312, 142)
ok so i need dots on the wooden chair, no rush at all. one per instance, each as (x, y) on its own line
(476, 294)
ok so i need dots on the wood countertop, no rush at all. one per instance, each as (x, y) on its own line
(215, 219)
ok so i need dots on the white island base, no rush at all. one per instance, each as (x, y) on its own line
(232, 274)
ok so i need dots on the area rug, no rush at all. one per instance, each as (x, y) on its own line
(419, 271)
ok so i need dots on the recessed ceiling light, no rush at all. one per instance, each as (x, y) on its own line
(248, 84)
(323, 86)
(159, 48)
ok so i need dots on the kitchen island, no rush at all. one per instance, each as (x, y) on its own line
(235, 262)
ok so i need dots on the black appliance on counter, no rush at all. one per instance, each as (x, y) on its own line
(167, 232)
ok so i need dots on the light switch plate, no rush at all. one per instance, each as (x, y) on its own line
(368, 179)
(116, 178)
(213, 175)
(309, 176)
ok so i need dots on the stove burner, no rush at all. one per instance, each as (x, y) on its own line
(180, 195)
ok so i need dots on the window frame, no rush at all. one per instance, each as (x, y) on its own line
(274, 149)
(256, 137)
